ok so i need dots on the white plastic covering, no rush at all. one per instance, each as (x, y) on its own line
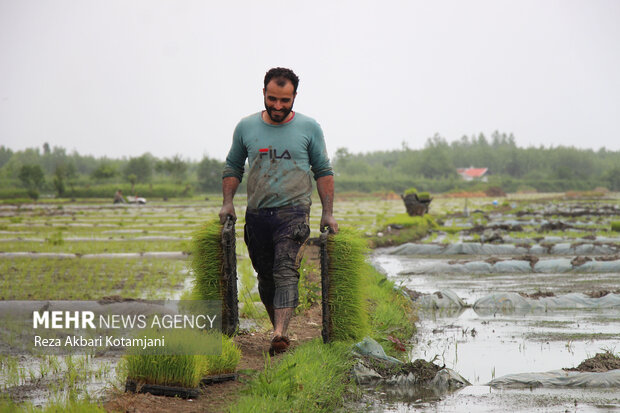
(514, 301)
(559, 378)
(559, 247)
(441, 299)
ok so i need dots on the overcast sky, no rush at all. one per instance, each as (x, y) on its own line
(124, 77)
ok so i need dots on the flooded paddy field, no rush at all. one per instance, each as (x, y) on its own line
(91, 251)
(542, 294)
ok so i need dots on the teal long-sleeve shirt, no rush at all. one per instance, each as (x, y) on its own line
(282, 159)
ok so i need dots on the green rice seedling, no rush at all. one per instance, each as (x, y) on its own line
(424, 196)
(615, 226)
(223, 363)
(348, 314)
(293, 385)
(309, 291)
(71, 406)
(408, 221)
(390, 310)
(411, 191)
(55, 239)
(207, 257)
(183, 368)
(248, 281)
(214, 266)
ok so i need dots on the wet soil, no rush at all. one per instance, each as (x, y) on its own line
(577, 261)
(601, 293)
(538, 294)
(479, 229)
(601, 362)
(422, 370)
(554, 226)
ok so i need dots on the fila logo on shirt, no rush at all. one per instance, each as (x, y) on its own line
(272, 154)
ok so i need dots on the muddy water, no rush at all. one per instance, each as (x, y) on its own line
(485, 345)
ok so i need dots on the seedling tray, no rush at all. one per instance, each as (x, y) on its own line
(218, 378)
(159, 390)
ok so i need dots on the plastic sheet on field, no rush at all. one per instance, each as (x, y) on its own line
(558, 247)
(416, 249)
(440, 299)
(515, 302)
(511, 266)
(599, 267)
(370, 348)
(556, 265)
(448, 379)
(559, 378)
(514, 266)
(478, 267)
(592, 249)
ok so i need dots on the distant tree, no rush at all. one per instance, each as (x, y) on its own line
(5, 155)
(210, 174)
(64, 173)
(104, 171)
(132, 178)
(611, 178)
(141, 168)
(46, 149)
(59, 180)
(32, 176)
(175, 167)
(435, 163)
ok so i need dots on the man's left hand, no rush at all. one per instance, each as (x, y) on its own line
(329, 221)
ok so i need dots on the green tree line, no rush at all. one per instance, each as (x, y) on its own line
(433, 168)
(511, 168)
(53, 171)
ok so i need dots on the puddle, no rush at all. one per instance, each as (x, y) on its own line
(483, 399)
(486, 345)
(40, 380)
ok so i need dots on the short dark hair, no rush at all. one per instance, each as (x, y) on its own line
(281, 75)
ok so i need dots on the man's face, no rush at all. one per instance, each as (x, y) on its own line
(279, 100)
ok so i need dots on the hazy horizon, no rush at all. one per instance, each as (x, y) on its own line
(121, 78)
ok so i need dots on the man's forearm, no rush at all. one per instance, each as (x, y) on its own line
(325, 188)
(229, 188)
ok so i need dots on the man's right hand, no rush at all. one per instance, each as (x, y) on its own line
(227, 209)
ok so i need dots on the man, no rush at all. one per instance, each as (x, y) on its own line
(284, 149)
(118, 197)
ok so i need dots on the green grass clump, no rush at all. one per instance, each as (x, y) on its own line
(424, 196)
(207, 259)
(187, 364)
(348, 315)
(223, 363)
(408, 221)
(390, 311)
(185, 367)
(411, 191)
(7, 406)
(313, 378)
(414, 228)
(615, 226)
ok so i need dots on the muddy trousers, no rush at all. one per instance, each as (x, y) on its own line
(276, 238)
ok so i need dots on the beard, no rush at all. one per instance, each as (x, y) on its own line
(278, 116)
